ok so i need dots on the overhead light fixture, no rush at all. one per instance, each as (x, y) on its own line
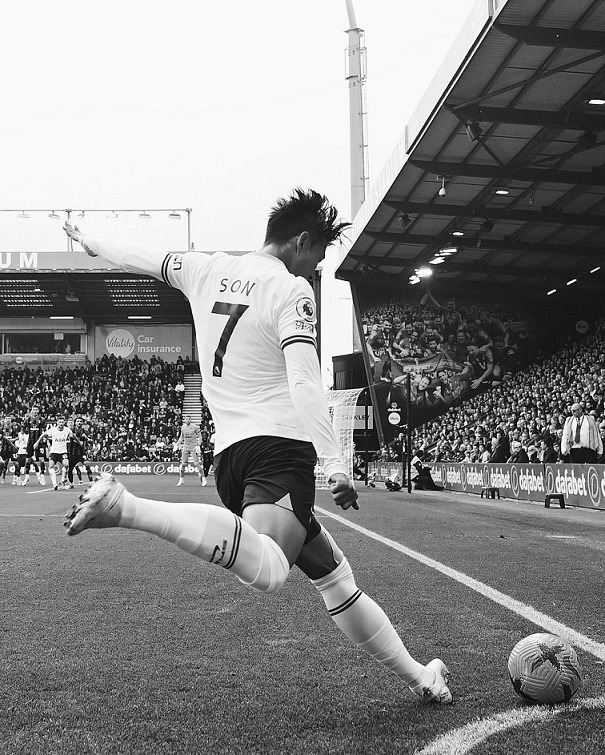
(449, 250)
(54, 215)
(487, 225)
(23, 214)
(112, 215)
(174, 215)
(502, 192)
(551, 292)
(442, 190)
(405, 219)
(474, 131)
(457, 233)
(139, 317)
(595, 269)
(414, 279)
(61, 317)
(596, 102)
(37, 290)
(424, 272)
(145, 215)
(573, 280)
(437, 261)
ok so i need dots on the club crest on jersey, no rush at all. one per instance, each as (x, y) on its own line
(305, 308)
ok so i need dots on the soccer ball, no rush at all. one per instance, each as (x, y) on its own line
(544, 669)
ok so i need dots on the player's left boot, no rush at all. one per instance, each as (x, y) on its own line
(100, 506)
(203, 480)
(438, 693)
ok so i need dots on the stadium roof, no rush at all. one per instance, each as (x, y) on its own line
(513, 128)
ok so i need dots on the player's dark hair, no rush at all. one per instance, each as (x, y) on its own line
(304, 211)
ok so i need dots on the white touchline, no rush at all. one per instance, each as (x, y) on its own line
(527, 612)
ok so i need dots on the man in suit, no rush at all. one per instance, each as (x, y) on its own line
(581, 440)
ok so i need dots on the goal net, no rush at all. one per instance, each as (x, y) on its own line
(342, 413)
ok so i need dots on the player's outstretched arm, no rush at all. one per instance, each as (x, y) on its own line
(125, 255)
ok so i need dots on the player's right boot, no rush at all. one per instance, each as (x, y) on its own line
(100, 506)
(438, 693)
(180, 482)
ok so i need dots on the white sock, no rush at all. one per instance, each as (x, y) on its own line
(366, 624)
(53, 477)
(213, 534)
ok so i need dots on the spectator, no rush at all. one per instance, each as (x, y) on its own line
(581, 439)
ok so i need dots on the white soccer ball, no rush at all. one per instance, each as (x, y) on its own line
(544, 669)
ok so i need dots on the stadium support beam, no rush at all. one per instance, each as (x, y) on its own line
(561, 120)
(511, 173)
(485, 244)
(577, 39)
(547, 275)
(544, 215)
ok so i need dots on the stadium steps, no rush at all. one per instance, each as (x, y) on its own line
(191, 399)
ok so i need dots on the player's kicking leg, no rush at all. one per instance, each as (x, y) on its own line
(259, 548)
(211, 533)
(365, 623)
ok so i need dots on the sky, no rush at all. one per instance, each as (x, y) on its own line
(221, 107)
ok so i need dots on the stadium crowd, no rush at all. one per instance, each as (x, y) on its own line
(522, 418)
(131, 409)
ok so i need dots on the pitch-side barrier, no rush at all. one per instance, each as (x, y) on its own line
(581, 484)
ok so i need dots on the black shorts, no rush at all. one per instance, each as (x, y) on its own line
(264, 469)
(58, 458)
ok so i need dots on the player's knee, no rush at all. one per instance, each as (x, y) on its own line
(274, 567)
(339, 578)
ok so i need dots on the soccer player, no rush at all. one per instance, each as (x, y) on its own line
(7, 449)
(22, 442)
(35, 457)
(76, 452)
(189, 441)
(59, 436)
(255, 322)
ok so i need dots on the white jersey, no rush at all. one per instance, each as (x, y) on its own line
(21, 443)
(190, 436)
(58, 439)
(246, 309)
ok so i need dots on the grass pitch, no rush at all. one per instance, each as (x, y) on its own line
(115, 642)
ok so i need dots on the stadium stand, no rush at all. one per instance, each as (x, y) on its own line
(131, 408)
(528, 408)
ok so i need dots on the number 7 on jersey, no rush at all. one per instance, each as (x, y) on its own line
(233, 312)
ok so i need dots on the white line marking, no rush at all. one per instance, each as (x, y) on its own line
(527, 612)
(466, 738)
(29, 516)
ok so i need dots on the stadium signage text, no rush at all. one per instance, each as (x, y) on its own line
(21, 260)
(581, 484)
(168, 341)
(137, 468)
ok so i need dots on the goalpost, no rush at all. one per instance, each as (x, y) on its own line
(342, 406)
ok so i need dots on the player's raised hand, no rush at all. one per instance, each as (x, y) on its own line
(74, 233)
(343, 491)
